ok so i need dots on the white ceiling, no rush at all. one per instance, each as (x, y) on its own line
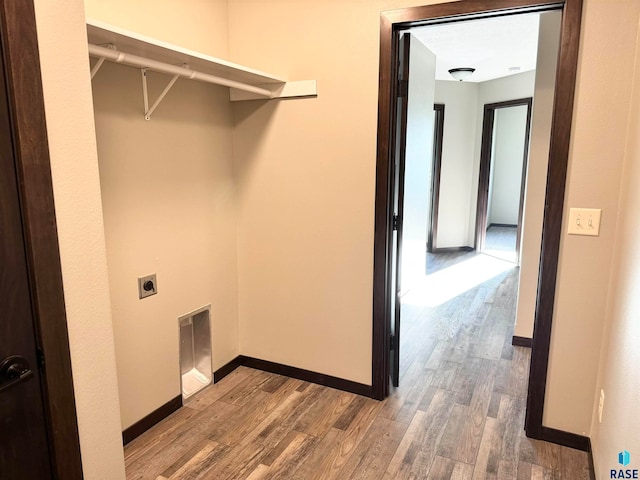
(492, 46)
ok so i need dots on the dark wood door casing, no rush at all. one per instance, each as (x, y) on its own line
(391, 23)
(484, 173)
(19, 44)
(436, 171)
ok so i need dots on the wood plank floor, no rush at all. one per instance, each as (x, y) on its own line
(458, 414)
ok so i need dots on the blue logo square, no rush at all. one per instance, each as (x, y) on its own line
(624, 458)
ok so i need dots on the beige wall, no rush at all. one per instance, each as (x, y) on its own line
(305, 287)
(199, 25)
(620, 356)
(535, 189)
(76, 186)
(306, 173)
(601, 112)
(169, 208)
(168, 200)
(460, 101)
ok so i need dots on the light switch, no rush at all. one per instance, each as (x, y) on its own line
(584, 221)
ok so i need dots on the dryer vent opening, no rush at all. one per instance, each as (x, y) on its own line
(195, 351)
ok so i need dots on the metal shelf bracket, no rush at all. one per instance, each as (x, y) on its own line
(96, 67)
(148, 111)
(145, 53)
(101, 60)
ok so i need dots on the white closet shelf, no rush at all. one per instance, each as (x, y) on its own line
(111, 43)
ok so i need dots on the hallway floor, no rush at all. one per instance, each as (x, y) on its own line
(458, 414)
(500, 242)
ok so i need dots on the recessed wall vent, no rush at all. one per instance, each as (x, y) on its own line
(195, 351)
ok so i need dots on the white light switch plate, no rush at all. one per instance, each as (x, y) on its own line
(584, 221)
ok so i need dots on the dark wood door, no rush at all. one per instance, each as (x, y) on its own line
(24, 447)
(398, 170)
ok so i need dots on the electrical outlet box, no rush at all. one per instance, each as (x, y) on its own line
(584, 221)
(147, 286)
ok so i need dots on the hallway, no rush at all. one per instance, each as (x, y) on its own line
(458, 414)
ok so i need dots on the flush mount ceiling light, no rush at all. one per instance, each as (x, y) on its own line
(461, 73)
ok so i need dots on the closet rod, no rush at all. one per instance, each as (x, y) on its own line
(141, 62)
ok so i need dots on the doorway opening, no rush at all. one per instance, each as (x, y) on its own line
(391, 165)
(461, 165)
(459, 311)
(506, 128)
(438, 136)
